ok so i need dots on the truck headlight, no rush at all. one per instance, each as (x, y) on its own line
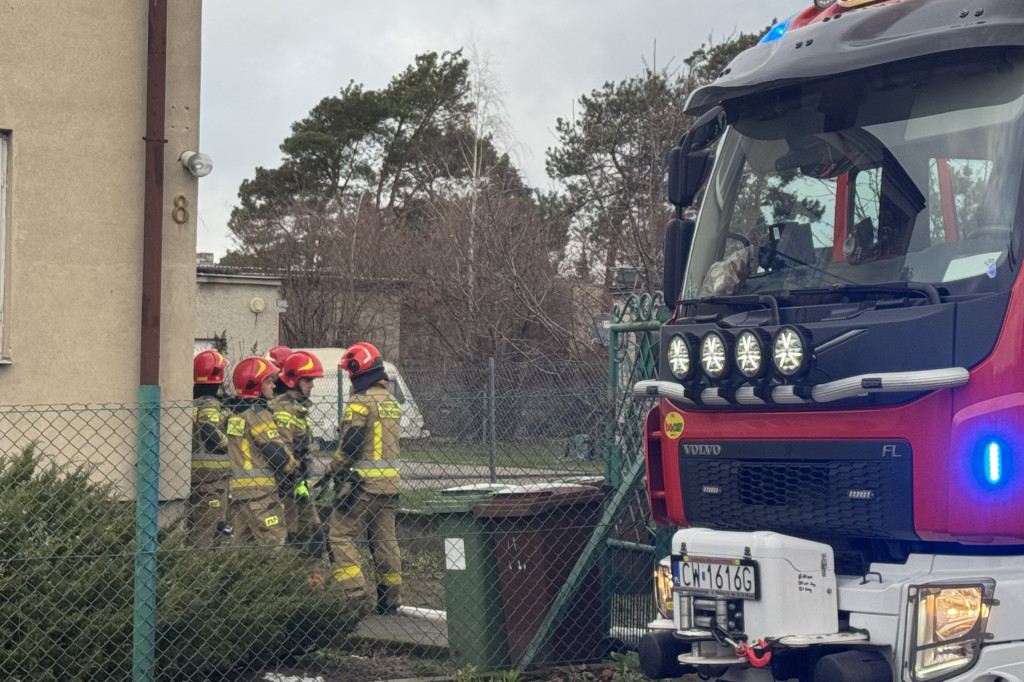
(663, 587)
(949, 626)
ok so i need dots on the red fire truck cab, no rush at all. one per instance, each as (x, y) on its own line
(839, 428)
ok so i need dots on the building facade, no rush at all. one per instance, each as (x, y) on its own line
(73, 118)
(237, 312)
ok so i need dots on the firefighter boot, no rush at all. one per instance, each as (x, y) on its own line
(383, 607)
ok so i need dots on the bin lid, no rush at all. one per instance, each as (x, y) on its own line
(475, 488)
(535, 499)
(582, 480)
(561, 483)
(460, 499)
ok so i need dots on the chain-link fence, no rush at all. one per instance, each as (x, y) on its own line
(520, 524)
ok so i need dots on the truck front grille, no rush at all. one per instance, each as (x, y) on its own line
(869, 497)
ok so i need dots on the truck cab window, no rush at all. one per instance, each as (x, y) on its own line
(917, 182)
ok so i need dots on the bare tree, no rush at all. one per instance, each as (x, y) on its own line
(612, 159)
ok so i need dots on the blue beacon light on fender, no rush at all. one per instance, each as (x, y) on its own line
(992, 462)
(777, 31)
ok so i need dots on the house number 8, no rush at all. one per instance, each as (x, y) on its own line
(180, 211)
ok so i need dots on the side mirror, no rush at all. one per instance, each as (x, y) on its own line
(678, 238)
(690, 162)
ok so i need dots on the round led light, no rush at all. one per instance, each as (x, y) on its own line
(749, 352)
(678, 356)
(789, 351)
(714, 355)
(824, 4)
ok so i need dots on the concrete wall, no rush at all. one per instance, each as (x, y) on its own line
(224, 306)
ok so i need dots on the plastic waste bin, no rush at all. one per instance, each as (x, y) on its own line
(539, 533)
(476, 623)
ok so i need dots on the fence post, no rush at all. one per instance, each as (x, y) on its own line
(147, 502)
(491, 419)
(591, 551)
(624, 470)
(612, 461)
(341, 398)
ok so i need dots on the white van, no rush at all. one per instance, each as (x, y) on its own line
(323, 413)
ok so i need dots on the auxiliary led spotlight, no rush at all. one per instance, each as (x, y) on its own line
(791, 351)
(680, 357)
(750, 353)
(714, 355)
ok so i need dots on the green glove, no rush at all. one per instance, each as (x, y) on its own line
(301, 490)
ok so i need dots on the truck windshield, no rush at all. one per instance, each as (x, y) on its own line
(906, 173)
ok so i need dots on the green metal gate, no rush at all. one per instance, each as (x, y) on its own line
(626, 538)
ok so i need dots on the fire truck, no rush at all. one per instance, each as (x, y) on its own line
(838, 433)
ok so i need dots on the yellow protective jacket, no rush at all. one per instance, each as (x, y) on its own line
(291, 412)
(369, 439)
(260, 461)
(209, 442)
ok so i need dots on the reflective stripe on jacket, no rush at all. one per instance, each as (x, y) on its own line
(384, 468)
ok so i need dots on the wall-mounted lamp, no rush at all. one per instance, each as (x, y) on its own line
(197, 163)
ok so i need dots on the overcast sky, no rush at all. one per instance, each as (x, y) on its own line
(266, 63)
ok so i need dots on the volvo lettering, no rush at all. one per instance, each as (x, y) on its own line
(701, 449)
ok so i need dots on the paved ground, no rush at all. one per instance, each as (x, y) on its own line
(416, 630)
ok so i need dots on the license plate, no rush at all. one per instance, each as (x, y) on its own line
(721, 578)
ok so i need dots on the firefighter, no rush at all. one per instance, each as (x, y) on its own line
(277, 355)
(291, 411)
(206, 519)
(365, 471)
(263, 471)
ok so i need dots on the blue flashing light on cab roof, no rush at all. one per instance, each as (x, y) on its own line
(777, 31)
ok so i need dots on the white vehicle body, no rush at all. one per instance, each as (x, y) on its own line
(801, 603)
(326, 408)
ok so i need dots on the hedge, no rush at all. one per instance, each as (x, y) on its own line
(66, 583)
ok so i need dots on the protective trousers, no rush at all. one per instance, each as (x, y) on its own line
(376, 515)
(302, 523)
(206, 518)
(258, 521)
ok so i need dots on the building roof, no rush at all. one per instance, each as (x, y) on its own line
(278, 275)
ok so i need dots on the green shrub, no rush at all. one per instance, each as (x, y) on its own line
(66, 590)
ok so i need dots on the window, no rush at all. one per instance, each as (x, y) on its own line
(203, 344)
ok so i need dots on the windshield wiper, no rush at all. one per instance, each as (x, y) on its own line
(921, 289)
(758, 301)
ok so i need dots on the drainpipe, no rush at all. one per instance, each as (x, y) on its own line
(148, 464)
